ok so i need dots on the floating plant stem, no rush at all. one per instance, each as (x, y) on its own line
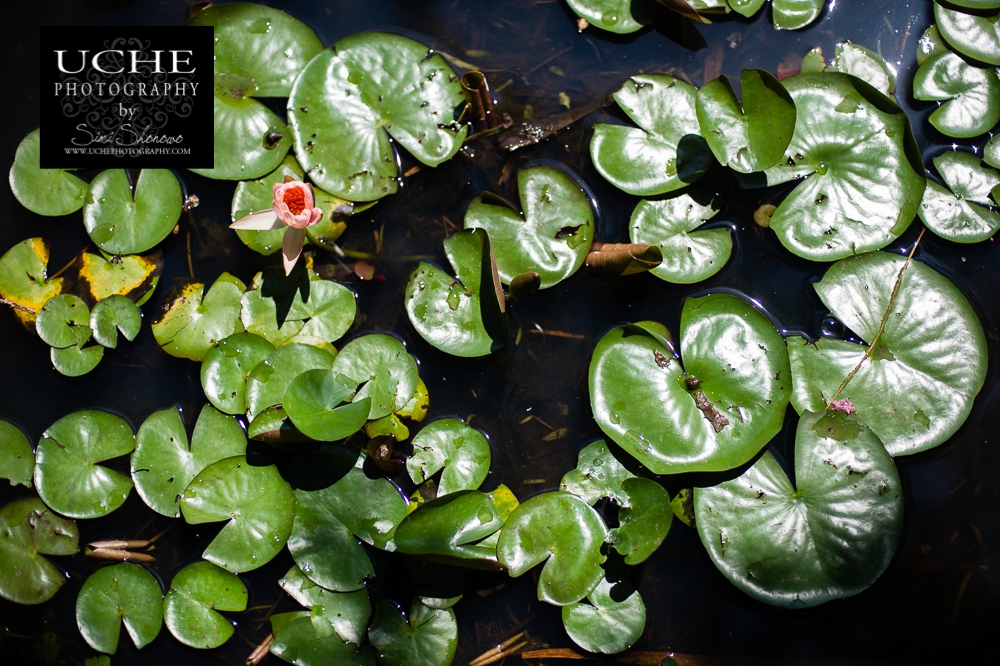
(477, 91)
(618, 259)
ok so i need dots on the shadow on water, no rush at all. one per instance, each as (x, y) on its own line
(938, 600)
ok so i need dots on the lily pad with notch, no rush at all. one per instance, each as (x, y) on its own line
(343, 613)
(425, 636)
(132, 276)
(226, 369)
(269, 379)
(17, 460)
(49, 192)
(319, 404)
(111, 315)
(915, 387)
(612, 15)
(122, 221)
(29, 530)
(296, 640)
(197, 593)
(122, 592)
(23, 281)
(964, 211)
(454, 447)
(192, 321)
(829, 536)
(793, 14)
(970, 94)
(598, 474)
(714, 412)
(384, 369)
(611, 619)
(976, 35)
(64, 321)
(451, 529)
(644, 519)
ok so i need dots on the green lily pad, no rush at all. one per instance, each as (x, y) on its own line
(428, 637)
(77, 360)
(645, 517)
(190, 608)
(563, 531)
(64, 321)
(192, 322)
(969, 94)
(122, 592)
(813, 61)
(318, 403)
(269, 379)
(953, 212)
(916, 386)
(17, 460)
(611, 15)
(829, 536)
(449, 529)
(226, 368)
(29, 531)
(22, 278)
(551, 237)
(598, 474)
(689, 256)
(43, 191)
(991, 152)
(343, 613)
(297, 641)
(666, 152)
(974, 35)
(611, 622)
(795, 14)
(250, 139)
(975, 4)
(862, 174)
(132, 276)
(751, 136)
(683, 506)
(67, 475)
(163, 463)
(930, 44)
(120, 223)
(866, 65)
(384, 369)
(715, 416)
(351, 98)
(461, 316)
(743, 7)
(450, 445)
(258, 504)
(113, 314)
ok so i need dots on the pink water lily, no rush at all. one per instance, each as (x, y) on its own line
(292, 209)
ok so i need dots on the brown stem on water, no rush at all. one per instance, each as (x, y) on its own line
(477, 90)
(617, 259)
(120, 544)
(495, 651)
(118, 555)
(499, 656)
(260, 652)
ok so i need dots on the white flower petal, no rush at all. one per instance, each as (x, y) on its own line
(265, 220)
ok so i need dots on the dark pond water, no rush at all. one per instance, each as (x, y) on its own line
(938, 602)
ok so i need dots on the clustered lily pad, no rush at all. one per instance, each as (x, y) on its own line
(197, 593)
(120, 593)
(28, 530)
(452, 446)
(122, 221)
(49, 192)
(964, 210)
(969, 94)
(17, 460)
(627, 16)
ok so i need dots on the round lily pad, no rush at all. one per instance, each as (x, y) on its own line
(122, 592)
(689, 256)
(67, 475)
(611, 15)
(714, 413)
(133, 276)
(343, 613)
(916, 385)
(795, 14)
(426, 636)
(969, 94)
(644, 519)
(963, 211)
(43, 191)
(17, 460)
(269, 379)
(28, 530)
(258, 504)
(450, 529)
(122, 223)
(76, 360)
(666, 152)
(598, 474)
(563, 531)
(461, 316)
(318, 403)
(226, 368)
(752, 135)
(192, 322)
(113, 314)
(280, 307)
(829, 536)
(297, 641)
(975, 35)
(612, 620)
(450, 445)
(163, 464)
(250, 139)
(865, 64)
(196, 593)
(22, 278)
(384, 369)
(552, 235)
(64, 321)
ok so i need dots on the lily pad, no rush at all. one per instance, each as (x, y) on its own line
(862, 173)
(114, 314)
(714, 413)
(132, 276)
(974, 35)
(163, 463)
(269, 379)
(865, 64)
(449, 529)
(29, 530)
(384, 369)
(250, 139)
(258, 504)
(23, 283)
(318, 403)
(666, 152)
(930, 44)
(829, 536)
(916, 386)
(190, 608)
(563, 531)
(991, 152)
(17, 460)
(612, 620)
(645, 516)
(450, 445)
(550, 237)
(297, 641)
(226, 368)
(611, 15)
(953, 212)
(67, 475)
(351, 98)
(970, 94)
(64, 321)
(752, 135)
(43, 191)
(598, 474)
(77, 360)
(122, 223)
(689, 256)
(427, 637)
(345, 613)
(795, 14)
(192, 322)
(122, 592)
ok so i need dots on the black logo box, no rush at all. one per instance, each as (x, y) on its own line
(136, 97)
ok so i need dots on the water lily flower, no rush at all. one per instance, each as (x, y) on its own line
(292, 209)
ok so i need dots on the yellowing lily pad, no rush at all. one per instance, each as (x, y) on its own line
(23, 282)
(192, 322)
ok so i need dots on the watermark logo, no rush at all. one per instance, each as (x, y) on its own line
(138, 97)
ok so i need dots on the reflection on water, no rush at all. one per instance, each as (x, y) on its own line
(936, 602)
